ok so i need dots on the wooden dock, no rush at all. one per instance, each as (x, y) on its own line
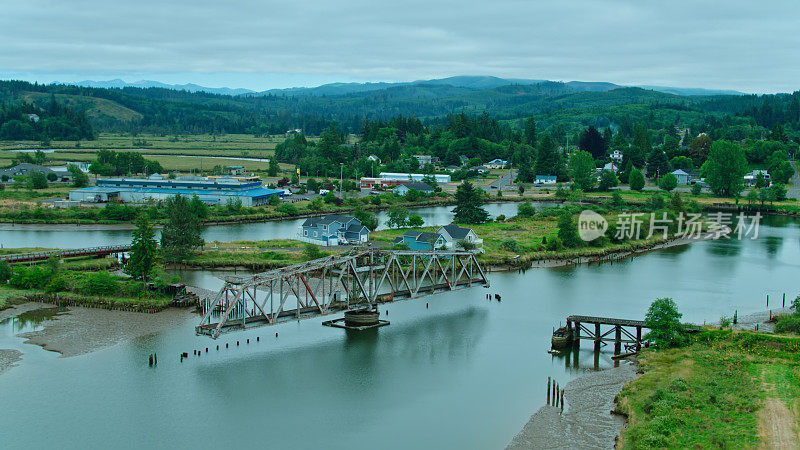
(625, 331)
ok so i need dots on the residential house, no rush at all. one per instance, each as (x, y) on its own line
(480, 169)
(497, 163)
(426, 159)
(452, 234)
(333, 230)
(25, 169)
(374, 158)
(545, 179)
(236, 170)
(33, 117)
(612, 166)
(420, 240)
(421, 187)
(445, 238)
(682, 176)
(616, 155)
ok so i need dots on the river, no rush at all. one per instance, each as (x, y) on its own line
(82, 236)
(463, 373)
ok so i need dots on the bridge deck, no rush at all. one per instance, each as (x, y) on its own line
(71, 253)
(607, 321)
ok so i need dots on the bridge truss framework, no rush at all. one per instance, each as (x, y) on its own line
(358, 279)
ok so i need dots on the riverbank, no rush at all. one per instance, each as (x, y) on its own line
(587, 422)
(80, 330)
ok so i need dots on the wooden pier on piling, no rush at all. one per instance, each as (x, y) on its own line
(618, 331)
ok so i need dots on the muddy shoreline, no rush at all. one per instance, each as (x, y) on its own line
(82, 330)
(587, 421)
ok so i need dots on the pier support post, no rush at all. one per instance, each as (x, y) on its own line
(617, 338)
(597, 336)
(576, 335)
(638, 338)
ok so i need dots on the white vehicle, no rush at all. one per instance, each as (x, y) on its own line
(323, 191)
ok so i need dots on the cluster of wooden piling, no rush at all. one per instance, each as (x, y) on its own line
(153, 360)
(496, 297)
(199, 351)
(555, 394)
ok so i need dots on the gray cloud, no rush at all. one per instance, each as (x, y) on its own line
(745, 45)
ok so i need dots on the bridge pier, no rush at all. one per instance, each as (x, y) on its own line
(597, 336)
(617, 339)
(638, 338)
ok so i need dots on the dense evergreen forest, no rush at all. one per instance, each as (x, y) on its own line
(558, 107)
(27, 121)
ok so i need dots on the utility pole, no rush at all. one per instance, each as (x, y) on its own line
(341, 166)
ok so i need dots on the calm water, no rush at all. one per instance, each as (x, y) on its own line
(465, 373)
(74, 236)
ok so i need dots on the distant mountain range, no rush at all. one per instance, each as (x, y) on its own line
(190, 87)
(476, 83)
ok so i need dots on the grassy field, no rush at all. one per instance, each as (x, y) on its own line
(727, 390)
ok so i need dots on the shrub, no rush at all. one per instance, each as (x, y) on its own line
(5, 271)
(510, 245)
(554, 244)
(788, 324)
(526, 209)
(636, 180)
(57, 284)
(415, 220)
(29, 277)
(697, 189)
(101, 283)
(663, 319)
(608, 180)
(51, 176)
(668, 182)
(500, 218)
(312, 251)
(287, 208)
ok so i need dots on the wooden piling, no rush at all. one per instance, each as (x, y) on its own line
(562, 400)
(548, 390)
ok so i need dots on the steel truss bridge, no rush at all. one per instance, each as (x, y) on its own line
(357, 279)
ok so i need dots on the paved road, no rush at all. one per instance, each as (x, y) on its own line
(794, 191)
(504, 182)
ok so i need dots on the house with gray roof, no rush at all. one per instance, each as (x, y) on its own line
(25, 169)
(333, 229)
(421, 187)
(445, 238)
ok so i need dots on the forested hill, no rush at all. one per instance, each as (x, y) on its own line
(566, 105)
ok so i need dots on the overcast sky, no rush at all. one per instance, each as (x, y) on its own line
(751, 46)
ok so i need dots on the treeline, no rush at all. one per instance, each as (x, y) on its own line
(27, 121)
(109, 162)
(557, 109)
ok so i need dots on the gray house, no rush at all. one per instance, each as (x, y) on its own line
(445, 238)
(421, 187)
(333, 230)
(681, 176)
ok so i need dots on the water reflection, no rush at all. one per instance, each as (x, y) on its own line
(30, 320)
(772, 244)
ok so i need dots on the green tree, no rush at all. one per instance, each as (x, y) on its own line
(608, 180)
(682, 162)
(79, 179)
(668, 182)
(526, 209)
(760, 181)
(183, 229)
(415, 220)
(529, 131)
(664, 322)
(636, 180)
(198, 207)
(51, 177)
(469, 201)
(5, 271)
(568, 230)
(366, 218)
(697, 189)
(779, 192)
(398, 217)
(657, 164)
(143, 254)
(582, 169)
(548, 158)
(273, 167)
(725, 168)
(36, 180)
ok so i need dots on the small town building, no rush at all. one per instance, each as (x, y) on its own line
(421, 187)
(611, 166)
(681, 176)
(751, 178)
(213, 191)
(333, 229)
(497, 163)
(445, 238)
(395, 179)
(426, 159)
(545, 179)
(236, 170)
(479, 169)
(616, 155)
(25, 169)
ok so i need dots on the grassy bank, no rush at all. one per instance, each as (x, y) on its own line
(253, 255)
(725, 390)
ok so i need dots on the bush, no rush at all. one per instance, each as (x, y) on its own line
(526, 209)
(500, 218)
(287, 208)
(57, 284)
(697, 189)
(5, 272)
(554, 244)
(312, 251)
(415, 220)
(636, 180)
(100, 283)
(29, 277)
(668, 182)
(52, 177)
(510, 245)
(788, 324)
(608, 180)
